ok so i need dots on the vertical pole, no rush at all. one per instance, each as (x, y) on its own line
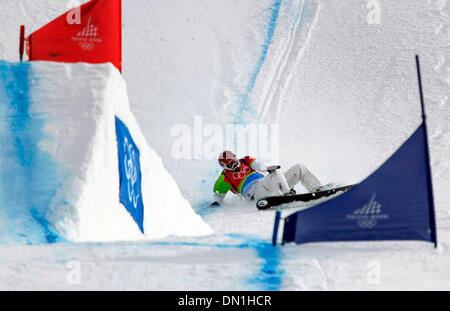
(429, 177)
(22, 42)
(275, 228)
(120, 31)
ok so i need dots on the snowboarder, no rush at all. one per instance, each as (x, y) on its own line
(244, 176)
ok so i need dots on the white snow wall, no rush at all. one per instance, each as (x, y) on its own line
(59, 176)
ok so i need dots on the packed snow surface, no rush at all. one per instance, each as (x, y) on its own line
(334, 81)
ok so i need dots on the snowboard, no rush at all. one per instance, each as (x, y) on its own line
(269, 202)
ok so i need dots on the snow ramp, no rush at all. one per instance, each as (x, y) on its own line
(59, 179)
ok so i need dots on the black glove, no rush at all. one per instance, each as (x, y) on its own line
(273, 168)
(214, 204)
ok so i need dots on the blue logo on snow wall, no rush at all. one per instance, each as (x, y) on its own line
(129, 174)
(394, 203)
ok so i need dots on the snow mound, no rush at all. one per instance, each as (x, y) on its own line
(60, 180)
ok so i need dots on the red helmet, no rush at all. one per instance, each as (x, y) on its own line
(228, 161)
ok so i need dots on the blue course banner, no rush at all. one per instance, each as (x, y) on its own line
(129, 174)
(394, 203)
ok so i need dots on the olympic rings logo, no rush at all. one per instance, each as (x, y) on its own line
(87, 46)
(242, 173)
(367, 223)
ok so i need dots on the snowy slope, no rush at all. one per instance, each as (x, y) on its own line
(343, 93)
(334, 83)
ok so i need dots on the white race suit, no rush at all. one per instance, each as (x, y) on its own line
(276, 183)
(279, 183)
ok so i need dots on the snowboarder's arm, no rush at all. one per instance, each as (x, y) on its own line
(218, 199)
(258, 166)
(221, 188)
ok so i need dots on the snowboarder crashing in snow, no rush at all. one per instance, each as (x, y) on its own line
(244, 176)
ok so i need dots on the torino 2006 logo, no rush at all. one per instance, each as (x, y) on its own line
(131, 171)
(368, 216)
(88, 36)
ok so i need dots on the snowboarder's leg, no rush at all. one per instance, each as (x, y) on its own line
(300, 173)
(272, 184)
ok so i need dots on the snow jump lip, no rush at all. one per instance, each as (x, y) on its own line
(76, 156)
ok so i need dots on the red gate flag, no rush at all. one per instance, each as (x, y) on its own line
(91, 33)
